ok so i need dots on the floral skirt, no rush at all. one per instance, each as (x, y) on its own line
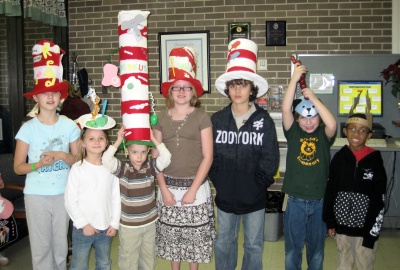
(186, 233)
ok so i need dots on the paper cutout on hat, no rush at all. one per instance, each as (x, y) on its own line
(366, 122)
(134, 25)
(98, 122)
(306, 108)
(110, 76)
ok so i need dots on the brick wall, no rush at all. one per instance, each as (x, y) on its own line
(313, 27)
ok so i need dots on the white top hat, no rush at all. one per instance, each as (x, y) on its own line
(242, 64)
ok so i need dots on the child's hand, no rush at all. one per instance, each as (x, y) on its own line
(1, 182)
(89, 230)
(46, 159)
(120, 136)
(189, 197)
(121, 132)
(168, 198)
(298, 71)
(332, 233)
(309, 94)
(111, 231)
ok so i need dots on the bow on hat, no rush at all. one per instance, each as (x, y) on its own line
(47, 69)
(182, 62)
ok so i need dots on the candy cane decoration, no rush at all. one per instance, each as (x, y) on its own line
(302, 81)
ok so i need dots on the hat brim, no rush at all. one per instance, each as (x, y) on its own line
(165, 86)
(61, 87)
(87, 117)
(148, 143)
(259, 81)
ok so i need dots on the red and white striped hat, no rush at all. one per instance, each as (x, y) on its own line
(133, 57)
(47, 69)
(242, 64)
(182, 66)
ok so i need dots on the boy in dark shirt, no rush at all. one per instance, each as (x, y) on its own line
(354, 198)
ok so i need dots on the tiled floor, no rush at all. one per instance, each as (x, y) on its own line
(387, 257)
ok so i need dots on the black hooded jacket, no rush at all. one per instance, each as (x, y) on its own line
(245, 160)
(354, 196)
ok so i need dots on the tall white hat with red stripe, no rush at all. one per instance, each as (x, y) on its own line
(133, 56)
(242, 64)
(47, 69)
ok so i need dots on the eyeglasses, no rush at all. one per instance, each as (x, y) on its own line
(359, 131)
(184, 89)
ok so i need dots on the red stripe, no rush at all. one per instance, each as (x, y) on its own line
(243, 54)
(143, 77)
(137, 134)
(237, 68)
(174, 73)
(133, 53)
(125, 106)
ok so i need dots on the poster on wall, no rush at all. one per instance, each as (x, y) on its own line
(349, 90)
(199, 41)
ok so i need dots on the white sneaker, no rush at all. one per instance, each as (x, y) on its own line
(3, 260)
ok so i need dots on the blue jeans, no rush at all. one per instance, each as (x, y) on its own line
(81, 246)
(303, 225)
(226, 244)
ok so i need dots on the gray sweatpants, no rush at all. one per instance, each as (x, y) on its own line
(48, 226)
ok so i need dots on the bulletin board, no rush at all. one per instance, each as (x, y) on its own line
(349, 90)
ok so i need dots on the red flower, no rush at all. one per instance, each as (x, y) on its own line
(392, 74)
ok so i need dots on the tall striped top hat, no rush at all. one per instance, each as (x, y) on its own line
(133, 56)
(47, 69)
(182, 66)
(242, 64)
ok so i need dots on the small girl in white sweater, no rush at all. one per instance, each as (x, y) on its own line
(92, 200)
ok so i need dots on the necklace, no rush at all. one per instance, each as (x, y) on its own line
(179, 127)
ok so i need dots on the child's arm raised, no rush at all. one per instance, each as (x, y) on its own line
(108, 159)
(324, 113)
(287, 115)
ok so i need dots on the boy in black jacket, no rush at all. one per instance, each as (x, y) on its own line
(354, 198)
(246, 158)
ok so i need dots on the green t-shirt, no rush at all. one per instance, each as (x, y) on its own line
(307, 163)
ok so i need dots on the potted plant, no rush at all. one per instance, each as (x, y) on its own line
(392, 74)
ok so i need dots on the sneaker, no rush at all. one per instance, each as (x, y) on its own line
(3, 260)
